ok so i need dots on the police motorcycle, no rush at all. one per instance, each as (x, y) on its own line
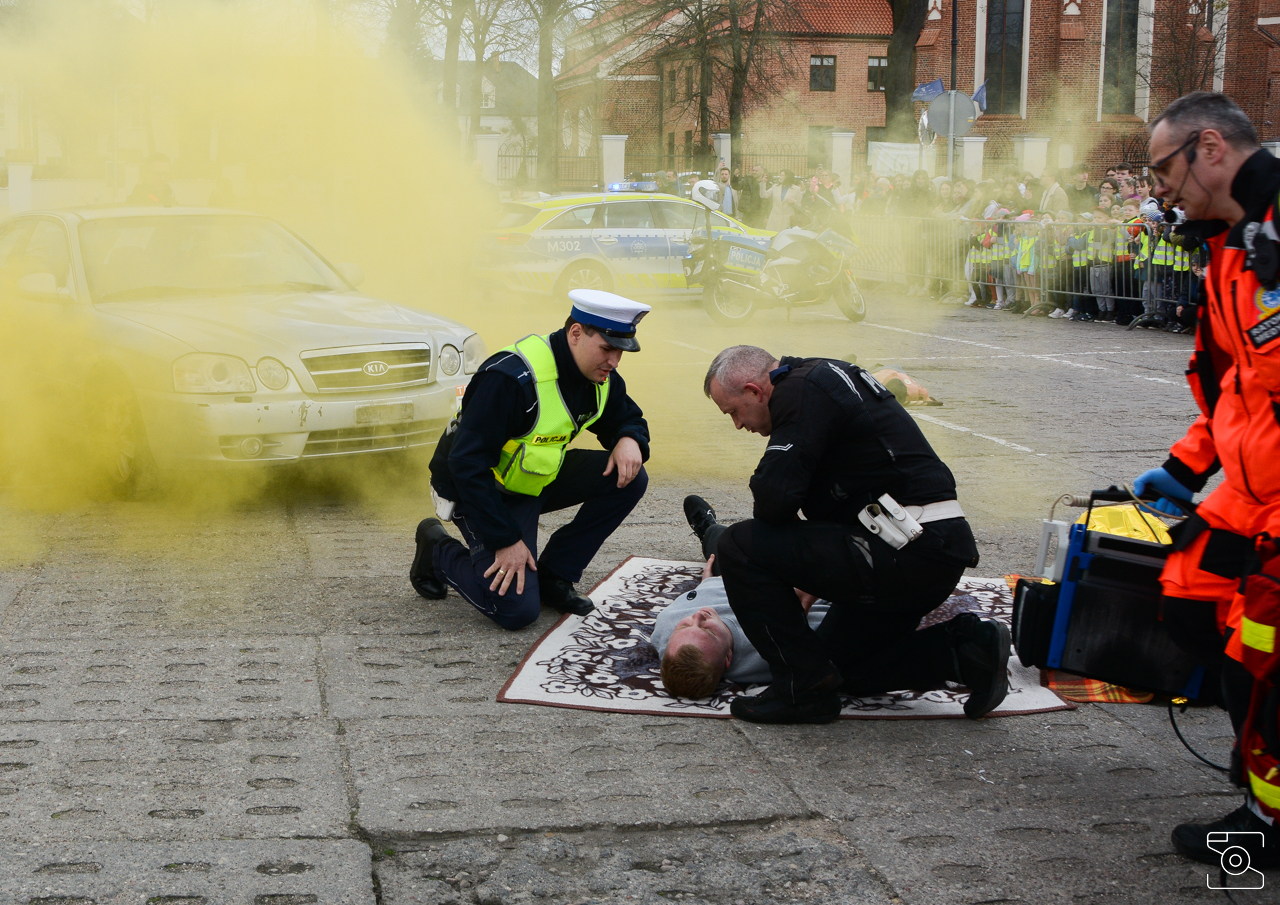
(795, 268)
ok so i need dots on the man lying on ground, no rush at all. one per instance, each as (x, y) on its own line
(700, 641)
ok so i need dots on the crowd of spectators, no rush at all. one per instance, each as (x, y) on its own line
(1052, 243)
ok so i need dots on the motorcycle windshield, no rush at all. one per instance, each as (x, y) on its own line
(833, 240)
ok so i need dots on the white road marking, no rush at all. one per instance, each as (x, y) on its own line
(1019, 354)
(676, 342)
(968, 430)
(1014, 353)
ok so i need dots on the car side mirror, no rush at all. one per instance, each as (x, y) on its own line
(42, 286)
(352, 273)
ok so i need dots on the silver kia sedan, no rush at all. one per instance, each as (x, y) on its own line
(194, 336)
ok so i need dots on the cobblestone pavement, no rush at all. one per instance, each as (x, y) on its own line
(244, 701)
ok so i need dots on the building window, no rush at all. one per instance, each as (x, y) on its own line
(1004, 56)
(671, 151)
(672, 78)
(688, 83)
(488, 96)
(1120, 62)
(822, 73)
(876, 67)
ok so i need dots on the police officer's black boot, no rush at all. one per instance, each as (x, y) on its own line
(560, 594)
(815, 700)
(422, 574)
(980, 648)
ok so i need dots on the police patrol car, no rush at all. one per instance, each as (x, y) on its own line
(623, 240)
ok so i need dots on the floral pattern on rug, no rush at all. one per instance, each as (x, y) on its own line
(605, 661)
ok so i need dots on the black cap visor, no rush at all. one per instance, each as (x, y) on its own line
(627, 342)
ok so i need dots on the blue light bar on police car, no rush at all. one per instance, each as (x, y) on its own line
(647, 186)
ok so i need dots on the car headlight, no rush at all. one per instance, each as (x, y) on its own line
(450, 361)
(202, 372)
(473, 353)
(273, 374)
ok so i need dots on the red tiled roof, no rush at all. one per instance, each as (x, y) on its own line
(846, 17)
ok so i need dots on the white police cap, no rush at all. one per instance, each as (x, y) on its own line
(614, 316)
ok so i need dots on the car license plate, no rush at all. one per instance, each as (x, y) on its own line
(387, 413)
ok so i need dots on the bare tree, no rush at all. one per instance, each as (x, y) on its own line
(492, 26)
(549, 16)
(1186, 47)
(737, 49)
(409, 24)
(900, 75)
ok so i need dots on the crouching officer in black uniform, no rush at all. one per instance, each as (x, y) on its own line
(503, 462)
(844, 452)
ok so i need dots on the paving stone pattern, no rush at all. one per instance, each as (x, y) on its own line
(276, 872)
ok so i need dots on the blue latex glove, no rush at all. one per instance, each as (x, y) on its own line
(1163, 483)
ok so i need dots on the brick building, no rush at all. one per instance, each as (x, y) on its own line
(824, 77)
(1083, 77)
(1067, 80)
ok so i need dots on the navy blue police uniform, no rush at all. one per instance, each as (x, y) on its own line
(501, 403)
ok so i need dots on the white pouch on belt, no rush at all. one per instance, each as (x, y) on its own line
(890, 522)
(443, 507)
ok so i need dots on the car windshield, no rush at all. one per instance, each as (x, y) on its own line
(198, 255)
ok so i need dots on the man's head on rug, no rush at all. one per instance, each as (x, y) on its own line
(700, 650)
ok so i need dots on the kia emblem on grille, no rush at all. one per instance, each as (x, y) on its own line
(376, 368)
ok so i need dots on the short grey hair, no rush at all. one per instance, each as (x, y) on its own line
(738, 365)
(1202, 110)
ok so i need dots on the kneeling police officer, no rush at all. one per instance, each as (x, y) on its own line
(503, 462)
(883, 539)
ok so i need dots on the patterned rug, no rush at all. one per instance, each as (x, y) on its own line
(604, 661)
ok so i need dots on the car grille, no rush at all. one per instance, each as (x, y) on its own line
(369, 367)
(349, 440)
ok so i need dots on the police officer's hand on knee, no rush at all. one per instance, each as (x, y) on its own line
(627, 459)
(508, 564)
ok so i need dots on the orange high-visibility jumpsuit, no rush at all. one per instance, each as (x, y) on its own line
(1235, 377)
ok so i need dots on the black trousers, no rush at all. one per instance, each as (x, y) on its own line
(869, 634)
(568, 550)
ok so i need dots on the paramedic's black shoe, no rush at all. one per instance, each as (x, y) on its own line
(422, 574)
(699, 514)
(1192, 839)
(818, 703)
(981, 651)
(560, 594)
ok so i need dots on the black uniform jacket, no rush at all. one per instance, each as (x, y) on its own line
(501, 403)
(839, 441)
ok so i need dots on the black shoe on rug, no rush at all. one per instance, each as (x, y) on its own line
(981, 651)
(1192, 839)
(560, 594)
(422, 574)
(699, 514)
(819, 703)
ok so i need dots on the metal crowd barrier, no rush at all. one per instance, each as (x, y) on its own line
(1031, 266)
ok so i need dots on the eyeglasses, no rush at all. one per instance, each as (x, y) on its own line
(1164, 161)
